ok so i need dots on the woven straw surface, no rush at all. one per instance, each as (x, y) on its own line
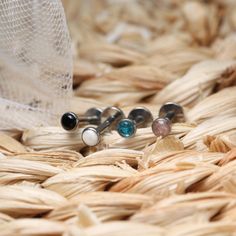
(132, 53)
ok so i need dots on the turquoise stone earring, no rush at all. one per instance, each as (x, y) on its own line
(138, 117)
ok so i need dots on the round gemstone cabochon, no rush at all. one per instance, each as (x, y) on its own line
(161, 127)
(90, 137)
(126, 128)
(69, 121)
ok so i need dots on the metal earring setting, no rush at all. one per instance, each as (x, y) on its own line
(110, 117)
(70, 121)
(169, 112)
(138, 117)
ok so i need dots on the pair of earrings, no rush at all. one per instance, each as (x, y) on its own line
(140, 117)
(104, 120)
(114, 118)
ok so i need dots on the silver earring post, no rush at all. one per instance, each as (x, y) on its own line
(112, 115)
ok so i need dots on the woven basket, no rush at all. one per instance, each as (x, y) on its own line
(134, 53)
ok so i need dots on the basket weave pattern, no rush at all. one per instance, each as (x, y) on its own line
(128, 54)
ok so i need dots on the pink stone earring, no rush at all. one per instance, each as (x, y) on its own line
(169, 112)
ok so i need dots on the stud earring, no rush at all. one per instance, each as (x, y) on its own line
(91, 136)
(169, 112)
(70, 121)
(138, 117)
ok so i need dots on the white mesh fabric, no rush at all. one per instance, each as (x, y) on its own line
(35, 63)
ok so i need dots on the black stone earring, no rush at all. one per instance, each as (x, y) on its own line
(70, 121)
